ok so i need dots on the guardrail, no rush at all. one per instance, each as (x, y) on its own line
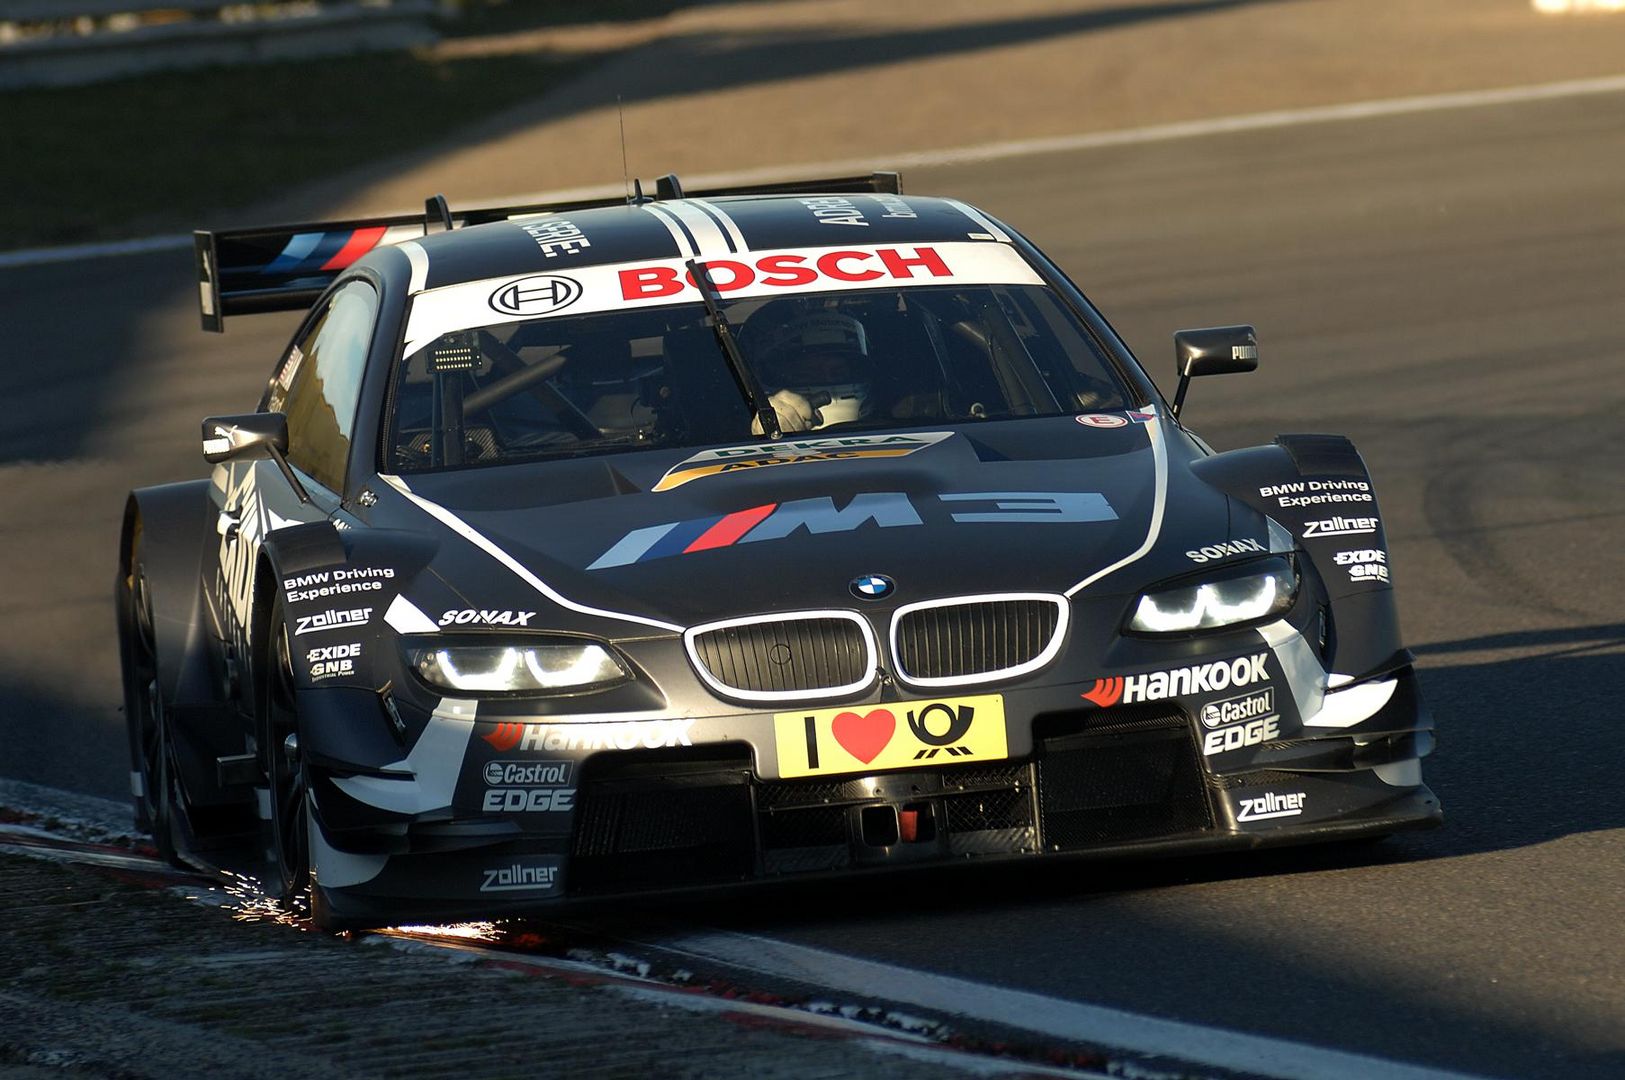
(45, 43)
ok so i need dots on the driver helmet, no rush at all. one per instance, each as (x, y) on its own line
(818, 352)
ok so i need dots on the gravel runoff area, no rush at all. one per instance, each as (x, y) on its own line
(102, 974)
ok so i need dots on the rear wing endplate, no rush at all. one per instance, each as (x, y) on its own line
(283, 267)
(286, 267)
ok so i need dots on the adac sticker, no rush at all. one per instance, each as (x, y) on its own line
(905, 735)
(729, 459)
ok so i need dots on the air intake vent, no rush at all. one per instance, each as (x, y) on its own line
(974, 639)
(778, 657)
(1129, 775)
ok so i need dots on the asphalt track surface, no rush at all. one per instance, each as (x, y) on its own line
(1445, 288)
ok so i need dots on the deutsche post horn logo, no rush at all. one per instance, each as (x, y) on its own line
(540, 294)
(956, 722)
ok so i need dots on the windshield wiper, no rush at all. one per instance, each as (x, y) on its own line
(743, 376)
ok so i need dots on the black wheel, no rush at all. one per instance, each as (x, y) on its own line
(285, 774)
(155, 807)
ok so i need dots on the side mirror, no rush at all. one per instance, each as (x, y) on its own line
(1213, 350)
(251, 436)
(241, 438)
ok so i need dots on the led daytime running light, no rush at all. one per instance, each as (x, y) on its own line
(1210, 605)
(514, 668)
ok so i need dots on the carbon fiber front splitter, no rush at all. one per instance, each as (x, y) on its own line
(514, 880)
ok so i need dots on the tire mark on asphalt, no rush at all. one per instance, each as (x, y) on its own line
(1453, 500)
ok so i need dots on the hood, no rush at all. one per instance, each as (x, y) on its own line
(689, 536)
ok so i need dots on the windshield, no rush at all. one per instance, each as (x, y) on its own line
(657, 377)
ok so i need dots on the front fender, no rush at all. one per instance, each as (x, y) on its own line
(337, 587)
(1319, 489)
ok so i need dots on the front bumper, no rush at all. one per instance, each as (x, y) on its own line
(691, 805)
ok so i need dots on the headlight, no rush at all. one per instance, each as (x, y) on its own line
(1256, 591)
(517, 667)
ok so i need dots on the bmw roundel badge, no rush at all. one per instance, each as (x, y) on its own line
(872, 586)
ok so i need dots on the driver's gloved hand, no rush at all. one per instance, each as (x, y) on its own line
(793, 410)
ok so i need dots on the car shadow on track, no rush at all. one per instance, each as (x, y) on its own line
(1529, 748)
(1404, 949)
(1509, 731)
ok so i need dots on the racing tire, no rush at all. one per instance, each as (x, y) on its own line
(293, 820)
(285, 774)
(157, 807)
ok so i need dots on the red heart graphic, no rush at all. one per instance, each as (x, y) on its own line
(864, 737)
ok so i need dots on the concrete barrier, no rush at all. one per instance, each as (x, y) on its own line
(109, 39)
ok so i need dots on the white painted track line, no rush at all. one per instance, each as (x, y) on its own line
(1056, 144)
(1577, 7)
(1056, 1017)
(71, 807)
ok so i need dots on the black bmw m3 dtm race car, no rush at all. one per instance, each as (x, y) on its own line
(684, 541)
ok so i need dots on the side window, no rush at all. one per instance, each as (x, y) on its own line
(319, 383)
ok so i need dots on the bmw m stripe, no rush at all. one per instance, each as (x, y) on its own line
(729, 529)
(361, 241)
(323, 251)
(299, 247)
(681, 537)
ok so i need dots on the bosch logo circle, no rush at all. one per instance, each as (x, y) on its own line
(540, 294)
(872, 586)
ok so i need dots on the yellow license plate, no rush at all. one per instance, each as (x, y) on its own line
(904, 735)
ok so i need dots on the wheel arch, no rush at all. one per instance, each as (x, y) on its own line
(301, 549)
(286, 551)
(1337, 517)
(171, 522)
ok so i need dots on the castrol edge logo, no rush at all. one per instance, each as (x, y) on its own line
(770, 272)
(1241, 707)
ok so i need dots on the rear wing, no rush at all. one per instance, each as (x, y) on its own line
(876, 183)
(283, 267)
(286, 267)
